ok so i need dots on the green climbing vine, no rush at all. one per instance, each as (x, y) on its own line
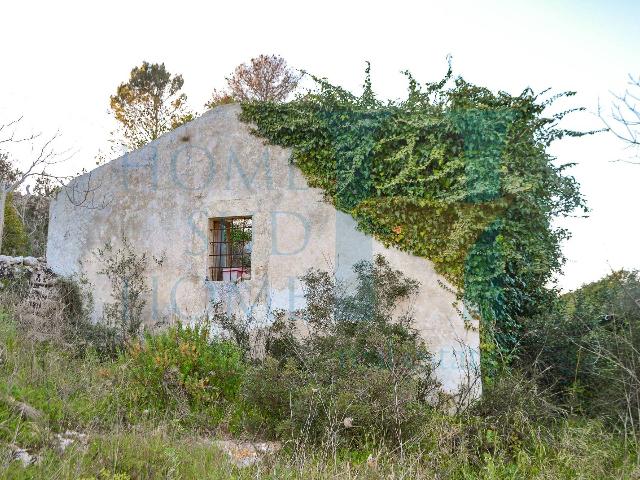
(453, 172)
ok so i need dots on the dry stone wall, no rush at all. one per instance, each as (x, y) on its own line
(33, 288)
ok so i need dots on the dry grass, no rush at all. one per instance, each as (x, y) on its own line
(88, 394)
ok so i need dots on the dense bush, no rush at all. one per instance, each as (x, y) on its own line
(15, 241)
(588, 345)
(358, 399)
(512, 409)
(185, 367)
(346, 369)
(34, 212)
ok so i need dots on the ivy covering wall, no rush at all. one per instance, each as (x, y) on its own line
(453, 172)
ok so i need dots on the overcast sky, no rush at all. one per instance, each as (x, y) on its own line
(61, 61)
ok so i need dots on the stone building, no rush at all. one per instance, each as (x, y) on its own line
(235, 221)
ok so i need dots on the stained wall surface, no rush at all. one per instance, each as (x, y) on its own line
(161, 197)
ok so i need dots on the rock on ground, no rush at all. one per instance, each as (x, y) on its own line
(244, 453)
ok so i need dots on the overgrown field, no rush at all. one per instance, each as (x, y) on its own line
(357, 399)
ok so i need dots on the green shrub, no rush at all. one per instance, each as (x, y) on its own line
(360, 374)
(15, 241)
(185, 367)
(78, 329)
(589, 347)
(512, 409)
(125, 270)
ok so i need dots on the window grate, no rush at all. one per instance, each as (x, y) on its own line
(230, 245)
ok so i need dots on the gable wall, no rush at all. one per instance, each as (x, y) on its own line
(161, 196)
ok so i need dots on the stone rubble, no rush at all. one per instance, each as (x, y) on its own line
(41, 281)
(71, 437)
(23, 456)
(244, 453)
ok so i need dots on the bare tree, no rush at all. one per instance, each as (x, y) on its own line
(43, 155)
(624, 118)
(266, 78)
(11, 177)
(32, 207)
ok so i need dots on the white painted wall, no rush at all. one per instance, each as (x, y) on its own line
(162, 195)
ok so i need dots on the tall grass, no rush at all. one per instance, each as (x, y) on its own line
(155, 407)
(97, 396)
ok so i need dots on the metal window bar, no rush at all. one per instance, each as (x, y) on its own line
(230, 244)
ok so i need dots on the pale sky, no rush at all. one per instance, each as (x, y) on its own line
(61, 60)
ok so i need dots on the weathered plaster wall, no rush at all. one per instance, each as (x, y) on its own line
(162, 195)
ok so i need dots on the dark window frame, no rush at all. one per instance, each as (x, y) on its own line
(228, 259)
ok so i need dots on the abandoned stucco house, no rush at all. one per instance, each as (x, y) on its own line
(236, 222)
